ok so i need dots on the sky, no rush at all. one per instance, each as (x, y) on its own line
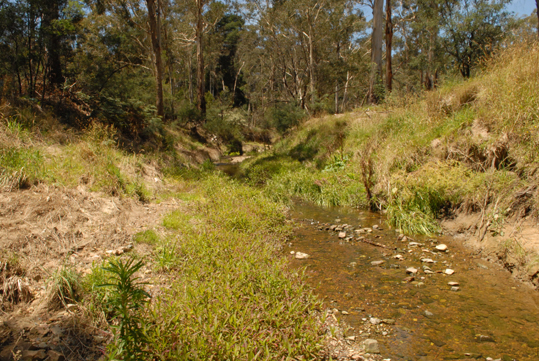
(519, 7)
(522, 7)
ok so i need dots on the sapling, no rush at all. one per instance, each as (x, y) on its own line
(127, 302)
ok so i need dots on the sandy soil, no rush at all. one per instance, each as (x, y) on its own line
(45, 228)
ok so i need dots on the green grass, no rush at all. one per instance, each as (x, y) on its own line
(233, 297)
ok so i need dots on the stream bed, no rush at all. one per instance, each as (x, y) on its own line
(478, 312)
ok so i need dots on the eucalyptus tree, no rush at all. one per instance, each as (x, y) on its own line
(472, 29)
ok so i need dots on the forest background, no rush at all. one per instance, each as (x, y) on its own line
(243, 70)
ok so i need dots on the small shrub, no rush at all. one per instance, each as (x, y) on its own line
(127, 300)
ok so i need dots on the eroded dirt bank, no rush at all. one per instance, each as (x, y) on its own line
(513, 243)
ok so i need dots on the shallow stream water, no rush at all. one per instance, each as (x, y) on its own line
(489, 315)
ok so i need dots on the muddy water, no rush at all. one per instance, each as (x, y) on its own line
(490, 315)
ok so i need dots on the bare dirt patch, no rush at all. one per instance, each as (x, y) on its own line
(43, 229)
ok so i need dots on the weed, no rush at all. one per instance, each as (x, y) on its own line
(149, 236)
(127, 300)
(64, 287)
(166, 257)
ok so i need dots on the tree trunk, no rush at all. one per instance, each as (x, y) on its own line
(50, 15)
(376, 52)
(201, 101)
(155, 34)
(389, 42)
(311, 61)
(537, 9)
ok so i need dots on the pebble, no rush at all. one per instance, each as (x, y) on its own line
(404, 239)
(351, 338)
(411, 270)
(449, 271)
(452, 284)
(427, 260)
(375, 321)
(377, 263)
(455, 288)
(375, 226)
(342, 234)
(300, 255)
(428, 313)
(441, 248)
(398, 256)
(484, 338)
(344, 312)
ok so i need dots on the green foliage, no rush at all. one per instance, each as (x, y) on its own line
(284, 116)
(127, 301)
(149, 236)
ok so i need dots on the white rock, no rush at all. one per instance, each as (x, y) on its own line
(375, 321)
(441, 247)
(427, 260)
(449, 271)
(292, 252)
(300, 255)
(411, 270)
(342, 234)
(398, 256)
(377, 263)
(452, 283)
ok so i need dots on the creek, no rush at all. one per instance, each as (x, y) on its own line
(415, 317)
(479, 311)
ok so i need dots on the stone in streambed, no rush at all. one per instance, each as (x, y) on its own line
(449, 271)
(342, 234)
(441, 248)
(377, 263)
(371, 346)
(301, 255)
(411, 270)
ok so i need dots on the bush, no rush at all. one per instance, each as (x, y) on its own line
(284, 116)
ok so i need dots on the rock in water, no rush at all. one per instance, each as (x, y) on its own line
(377, 263)
(441, 248)
(300, 255)
(449, 271)
(342, 234)
(411, 270)
(371, 346)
